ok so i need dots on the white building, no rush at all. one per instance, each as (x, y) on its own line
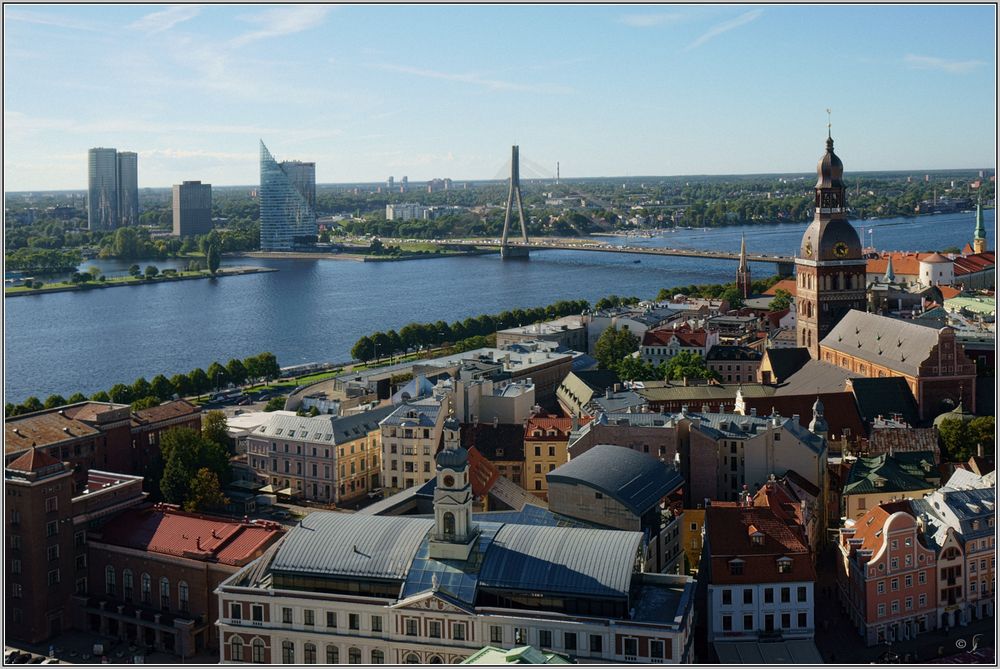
(486, 401)
(936, 270)
(411, 435)
(405, 212)
(362, 589)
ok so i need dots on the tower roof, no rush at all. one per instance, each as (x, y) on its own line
(980, 228)
(830, 236)
(890, 275)
(829, 170)
(33, 460)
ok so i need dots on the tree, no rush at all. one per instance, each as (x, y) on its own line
(213, 428)
(782, 300)
(200, 382)
(688, 365)
(275, 403)
(152, 271)
(313, 411)
(120, 393)
(236, 371)
(100, 396)
(269, 365)
(31, 404)
(161, 387)
(218, 375)
(53, 401)
(956, 440)
(76, 397)
(133, 270)
(214, 258)
(733, 296)
(632, 368)
(125, 243)
(145, 403)
(364, 349)
(205, 493)
(141, 388)
(982, 432)
(180, 449)
(613, 345)
(253, 367)
(10, 409)
(181, 384)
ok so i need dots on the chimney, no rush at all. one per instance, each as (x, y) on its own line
(496, 421)
(198, 542)
(753, 411)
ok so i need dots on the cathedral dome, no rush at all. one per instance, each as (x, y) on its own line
(829, 171)
(830, 236)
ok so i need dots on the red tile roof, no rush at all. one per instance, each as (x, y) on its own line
(165, 411)
(975, 262)
(907, 264)
(482, 473)
(787, 285)
(545, 423)
(727, 534)
(663, 337)
(43, 429)
(164, 529)
(33, 460)
(774, 317)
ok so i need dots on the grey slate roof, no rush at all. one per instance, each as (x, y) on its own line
(422, 413)
(816, 377)
(321, 429)
(884, 397)
(899, 345)
(565, 560)
(341, 544)
(636, 480)
(786, 361)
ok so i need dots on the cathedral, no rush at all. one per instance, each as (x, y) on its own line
(830, 267)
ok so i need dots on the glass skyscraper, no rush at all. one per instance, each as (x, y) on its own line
(128, 187)
(102, 189)
(286, 197)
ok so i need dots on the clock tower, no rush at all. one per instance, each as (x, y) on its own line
(829, 267)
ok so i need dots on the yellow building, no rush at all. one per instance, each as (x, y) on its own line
(545, 439)
(692, 523)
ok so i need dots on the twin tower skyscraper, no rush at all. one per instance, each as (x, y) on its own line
(112, 189)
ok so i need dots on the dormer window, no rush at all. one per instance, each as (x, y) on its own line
(736, 567)
(756, 536)
(784, 565)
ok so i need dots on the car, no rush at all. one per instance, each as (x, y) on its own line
(375, 494)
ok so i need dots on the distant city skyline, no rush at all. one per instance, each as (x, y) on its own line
(367, 92)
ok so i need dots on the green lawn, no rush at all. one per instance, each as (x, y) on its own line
(114, 281)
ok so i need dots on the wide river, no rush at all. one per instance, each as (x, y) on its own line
(314, 310)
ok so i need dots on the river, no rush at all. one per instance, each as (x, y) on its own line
(314, 310)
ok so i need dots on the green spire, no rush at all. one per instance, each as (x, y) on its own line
(980, 228)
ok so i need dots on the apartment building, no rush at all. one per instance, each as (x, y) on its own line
(411, 435)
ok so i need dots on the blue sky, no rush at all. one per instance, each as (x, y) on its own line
(443, 91)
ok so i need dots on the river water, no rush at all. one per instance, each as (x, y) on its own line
(314, 310)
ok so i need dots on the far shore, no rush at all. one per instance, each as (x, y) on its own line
(63, 287)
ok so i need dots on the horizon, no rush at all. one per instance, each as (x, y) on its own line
(705, 90)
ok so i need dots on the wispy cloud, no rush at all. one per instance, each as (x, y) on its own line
(182, 154)
(476, 80)
(166, 19)
(725, 27)
(282, 21)
(650, 20)
(941, 64)
(44, 19)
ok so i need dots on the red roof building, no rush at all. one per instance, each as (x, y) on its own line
(661, 344)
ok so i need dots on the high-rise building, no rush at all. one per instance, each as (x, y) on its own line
(192, 208)
(286, 214)
(128, 188)
(830, 268)
(102, 189)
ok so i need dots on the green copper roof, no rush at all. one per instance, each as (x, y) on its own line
(980, 228)
(521, 655)
(899, 472)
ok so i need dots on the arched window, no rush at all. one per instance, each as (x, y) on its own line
(332, 654)
(146, 589)
(257, 648)
(164, 592)
(127, 584)
(110, 587)
(412, 659)
(236, 649)
(310, 653)
(287, 652)
(353, 655)
(435, 660)
(182, 596)
(378, 657)
(449, 523)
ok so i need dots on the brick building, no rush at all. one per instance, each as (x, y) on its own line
(735, 364)
(545, 441)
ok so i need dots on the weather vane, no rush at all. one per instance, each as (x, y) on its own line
(829, 121)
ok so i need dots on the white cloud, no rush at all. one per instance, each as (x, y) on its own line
(649, 20)
(725, 27)
(942, 64)
(476, 80)
(166, 19)
(282, 21)
(43, 19)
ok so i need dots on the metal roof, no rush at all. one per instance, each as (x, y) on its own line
(636, 480)
(457, 578)
(897, 344)
(352, 545)
(323, 430)
(563, 560)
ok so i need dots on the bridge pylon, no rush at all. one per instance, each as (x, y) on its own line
(507, 251)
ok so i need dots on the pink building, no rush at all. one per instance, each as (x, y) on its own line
(886, 575)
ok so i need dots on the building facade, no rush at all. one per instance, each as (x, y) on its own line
(102, 189)
(128, 187)
(734, 364)
(411, 435)
(192, 208)
(286, 216)
(830, 267)
(545, 448)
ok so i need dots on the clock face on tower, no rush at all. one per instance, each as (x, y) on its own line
(449, 481)
(840, 250)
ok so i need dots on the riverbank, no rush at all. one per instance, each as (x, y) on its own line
(65, 287)
(363, 257)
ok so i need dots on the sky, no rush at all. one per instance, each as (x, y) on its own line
(371, 91)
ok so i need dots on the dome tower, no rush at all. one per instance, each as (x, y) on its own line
(454, 533)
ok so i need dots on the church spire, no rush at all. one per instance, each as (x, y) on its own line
(743, 271)
(979, 239)
(890, 275)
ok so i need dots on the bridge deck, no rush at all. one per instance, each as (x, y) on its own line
(641, 250)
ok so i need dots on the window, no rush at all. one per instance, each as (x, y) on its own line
(908, 581)
(308, 617)
(727, 596)
(434, 629)
(257, 651)
(80, 539)
(236, 611)
(747, 596)
(656, 649)
(146, 589)
(331, 619)
(15, 590)
(236, 649)
(747, 623)
(127, 584)
(803, 619)
(54, 577)
(182, 596)
(895, 606)
(332, 654)
(768, 595)
(287, 652)
(922, 600)
(15, 567)
(894, 584)
(545, 639)
(631, 647)
(51, 528)
(354, 621)
(52, 552)
(727, 623)
(52, 504)
(310, 652)
(378, 657)
(354, 655)
(286, 615)
(802, 593)
(411, 627)
(496, 634)
(596, 641)
(257, 612)
(881, 610)
(412, 659)
(784, 566)
(164, 593)
(376, 623)
(786, 595)
(569, 640)
(736, 567)
(110, 587)
(909, 603)
(786, 620)
(922, 577)
(881, 587)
